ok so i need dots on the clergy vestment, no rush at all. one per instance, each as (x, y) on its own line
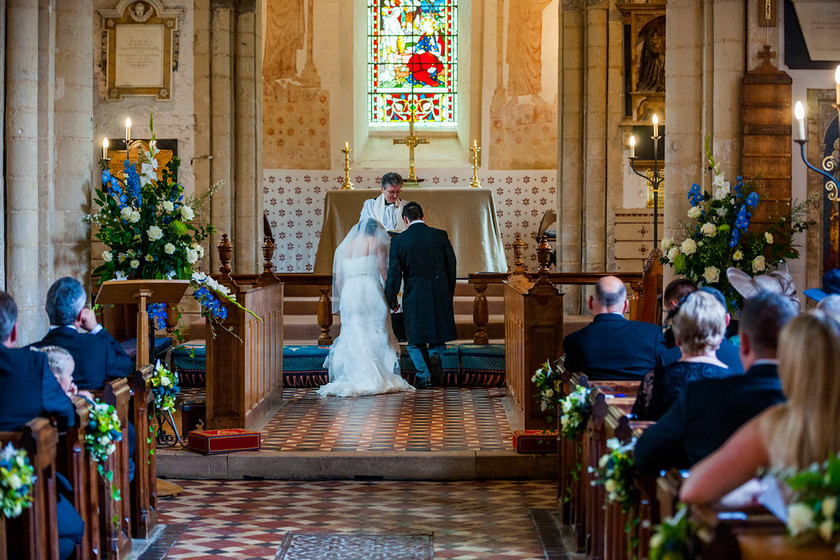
(389, 215)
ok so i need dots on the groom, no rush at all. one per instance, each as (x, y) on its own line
(423, 257)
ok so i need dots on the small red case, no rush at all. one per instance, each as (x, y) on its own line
(223, 441)
(535, 441)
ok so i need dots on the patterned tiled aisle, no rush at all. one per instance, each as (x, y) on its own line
(251, 519)
(439, 419)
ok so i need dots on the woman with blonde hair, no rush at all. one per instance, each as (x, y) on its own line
(796, 433)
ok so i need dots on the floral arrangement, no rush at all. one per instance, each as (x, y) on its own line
(719, 235)
(672, 539)
(164, 387)
(548, 383)
(146, 223)
(16, 480)
(103, 432)
(574, 412)
(616, 472)
(812, 514)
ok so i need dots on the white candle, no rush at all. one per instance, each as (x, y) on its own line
(837, 87)
(655, 125)
(105, 148)
(799, 113)
(632, 146)
(127, 130)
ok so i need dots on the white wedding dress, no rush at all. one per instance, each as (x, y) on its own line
(363, 360)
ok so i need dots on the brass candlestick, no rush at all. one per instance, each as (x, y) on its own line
(476, 163)
(347, 184)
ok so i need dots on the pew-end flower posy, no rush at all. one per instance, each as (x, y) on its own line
(548, 382)
(616, 472)
(164, 387)
(574, 412)
(17, 477)
(812, 513)
(721, 234)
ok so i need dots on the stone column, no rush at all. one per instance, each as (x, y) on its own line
(21, 143)
(594, 232)
(46, 153)
(201, 102)
(727, 70)
(221, 111)
(247, 197)
(73, 138)
(570, 92)
(3, 248)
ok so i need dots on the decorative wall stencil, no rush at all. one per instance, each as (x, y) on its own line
(294, 205)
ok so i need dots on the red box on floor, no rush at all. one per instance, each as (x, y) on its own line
(535, 441)
(223, 441)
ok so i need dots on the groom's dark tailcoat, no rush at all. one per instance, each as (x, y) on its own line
(703, 417)
(423, 256)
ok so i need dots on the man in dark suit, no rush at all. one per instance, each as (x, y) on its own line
(612, 347)
(423, 257)
(97, 355)
(28, 389)
(708, 411)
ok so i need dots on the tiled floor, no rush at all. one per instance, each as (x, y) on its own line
(251, 519)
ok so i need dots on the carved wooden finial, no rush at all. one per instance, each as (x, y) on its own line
(518, 251)
(225, 251)
(543, 256)
(268, 254)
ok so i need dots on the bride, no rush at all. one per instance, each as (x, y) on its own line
(363, 360)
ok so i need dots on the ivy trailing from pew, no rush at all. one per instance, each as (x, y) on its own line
(103, 432)
(673, 539)
(616, 472)
(812, 513)
(16, 480)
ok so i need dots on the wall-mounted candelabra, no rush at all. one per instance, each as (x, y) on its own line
(655, 177)
(830, 164)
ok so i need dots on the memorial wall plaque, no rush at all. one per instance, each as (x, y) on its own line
(140, 49)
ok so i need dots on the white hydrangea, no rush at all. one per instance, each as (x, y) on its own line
(694, 212)
(758, 264)
(688, 247)
(187, 213)
(708, 229)
(711, 274)
(154, 233)
(107, 256)
(169, 248)
(673, 252)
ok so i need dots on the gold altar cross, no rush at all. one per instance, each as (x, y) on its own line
(412, 142)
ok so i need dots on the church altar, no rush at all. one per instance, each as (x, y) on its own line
(468, 215)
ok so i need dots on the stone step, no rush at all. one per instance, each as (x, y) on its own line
(303, 305)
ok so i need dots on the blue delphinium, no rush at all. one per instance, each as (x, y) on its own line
(157, 311)
(210, 303)
(694, 195)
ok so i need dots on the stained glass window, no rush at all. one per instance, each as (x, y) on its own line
(412, 62)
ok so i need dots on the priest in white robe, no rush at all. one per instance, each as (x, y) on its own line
(387, 207)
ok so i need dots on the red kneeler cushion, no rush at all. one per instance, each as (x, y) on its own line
(535, 441)
(223, 441)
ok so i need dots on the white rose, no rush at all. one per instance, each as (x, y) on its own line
(154, 233)
(825, 530)
(655, 541)
(104, 440)
(768, 237)
(187, 213)
(688, 247)
(694, 212)
(14, 481)
(169, 248)
(800, 518)
(549, 393)
(134, 217)
(829, 506)
(709, 229)
(666, 243)
(711, 274)
(164, 381)
(609, 486)
(134, 263)
(168, 206)
(192, 256)
(125, 213)
(107, 256)
(673, 252)
(758, 264)
(737, 255)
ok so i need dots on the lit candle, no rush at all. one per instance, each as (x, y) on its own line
(799, 113)
(347, 146)
(632, 146)
(655, 125)
(127, 130)
(105, 148)
(837, 87)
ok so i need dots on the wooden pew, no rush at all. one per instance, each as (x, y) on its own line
(35, 533)
(245, 364)
(571, 472)
(115, 515)
(75, 462)
(143, 492)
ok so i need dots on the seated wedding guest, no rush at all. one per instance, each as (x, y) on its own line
(98, 357)
(62, 365)
(27, 390)
(708, 411)
(796, 433)
(612, 347)
(698, 329)
(726, 352)
(830, 305)
(674, 293)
